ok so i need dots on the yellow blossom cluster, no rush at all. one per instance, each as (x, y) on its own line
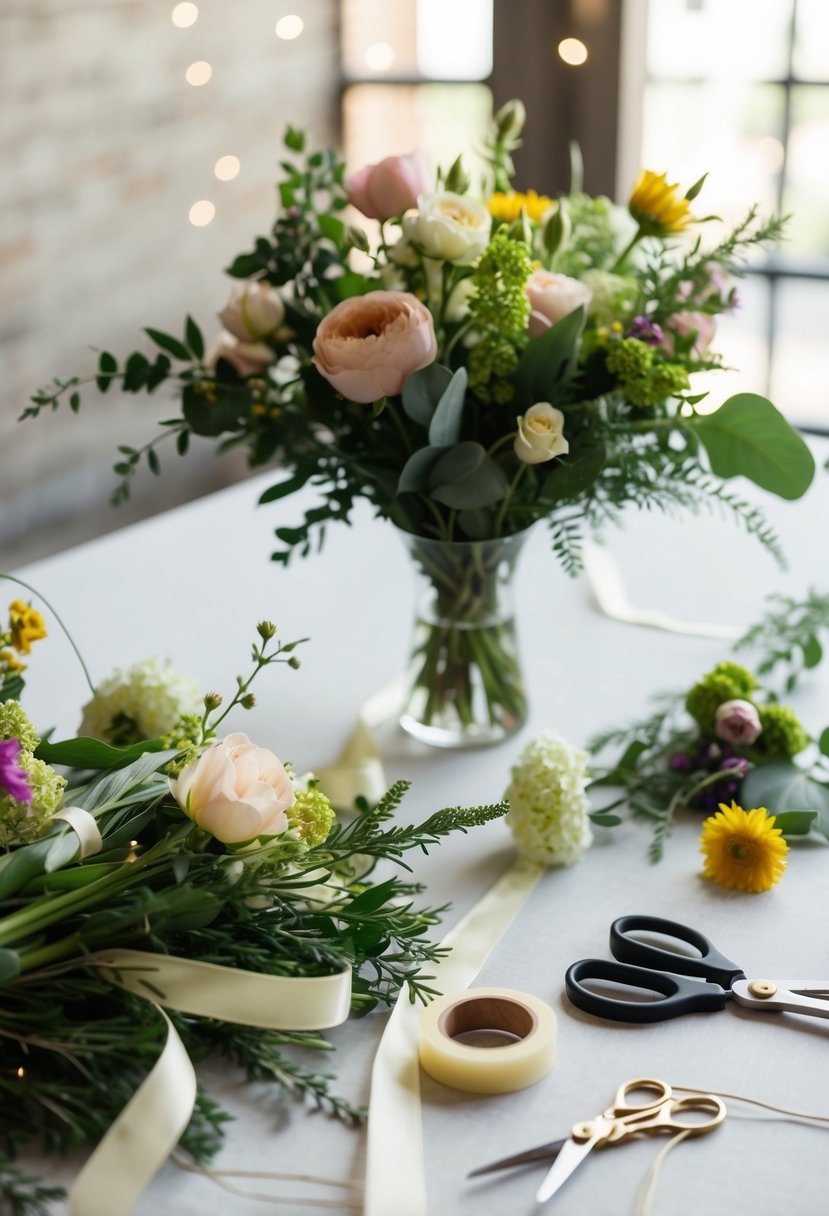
(508, 207)
(26, 625)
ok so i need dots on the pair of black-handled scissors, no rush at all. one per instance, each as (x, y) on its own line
(642, 965)
(620, 1122)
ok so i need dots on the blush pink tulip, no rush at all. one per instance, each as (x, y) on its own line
(368, 345)
(387, 189)
(553, 296)
(737, 722)
(249, 358)
(235, 791)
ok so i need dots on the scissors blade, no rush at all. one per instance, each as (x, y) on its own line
(544, 1153)
(568, 1160)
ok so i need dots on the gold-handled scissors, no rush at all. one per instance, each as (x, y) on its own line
(620, 1122)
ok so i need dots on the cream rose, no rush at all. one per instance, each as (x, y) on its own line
(249, 358)
(236, 791)
(253, 312)
(540, 434)
(553, 296)
(368, 345)
(449, 227)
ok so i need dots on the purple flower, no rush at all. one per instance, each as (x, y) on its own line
(12, 777)
(646, 331)
(680, 763)
(736, 765)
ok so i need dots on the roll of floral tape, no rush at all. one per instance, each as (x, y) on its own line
(487, 1040)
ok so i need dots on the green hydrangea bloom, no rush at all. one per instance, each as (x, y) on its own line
(549, 810)
(311, 814)
(499, 311)
(727, 682)
(614, 296)
(594, 237)
(15, 724)
(646, 378)
(782, 736)
(21, 822)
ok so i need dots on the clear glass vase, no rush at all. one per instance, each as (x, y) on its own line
(465, 687)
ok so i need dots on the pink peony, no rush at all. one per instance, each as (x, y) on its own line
(236, 791)
(391, 187)
(368, 345)
(249, 358)
(553, 296)
(737, 722)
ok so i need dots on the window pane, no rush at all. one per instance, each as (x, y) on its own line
(379, 38)
(727, 39)
(731, 131)
(800, 374)
(454, 40)
(445, 119)
(811, 47)
(806, 197)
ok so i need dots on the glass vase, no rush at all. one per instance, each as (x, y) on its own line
(465, 687)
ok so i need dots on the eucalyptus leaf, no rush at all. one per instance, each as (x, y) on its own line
(414, 477)
(785, 787)
(795, 823)
(567, 479)
(445, 426)
(423, 390)
(549, 360)
(748, 436)
(481, 488)
(604, 820)
(476, 524)
(460, 460)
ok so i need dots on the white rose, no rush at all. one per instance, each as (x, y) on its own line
(449, 227)
(540, 434)
(253, 312)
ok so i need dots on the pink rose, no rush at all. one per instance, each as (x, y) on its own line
(737, 722)
(553, 296)
(391, 187)
(368, 345)
(254, 311)
(249, 358)
(236, 791)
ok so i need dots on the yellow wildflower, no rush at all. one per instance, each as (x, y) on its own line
(657, 206)
(10, 662)
(508, 206)
(27, 626)
(743, 850)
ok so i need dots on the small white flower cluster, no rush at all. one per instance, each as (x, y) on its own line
(142, 702)
(548, 805)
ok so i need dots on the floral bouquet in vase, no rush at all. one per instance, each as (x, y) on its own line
(485, 360)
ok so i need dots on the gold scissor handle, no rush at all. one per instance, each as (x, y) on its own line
(668, 1116)
(660, 1092)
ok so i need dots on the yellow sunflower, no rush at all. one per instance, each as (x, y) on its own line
(657, 206)
(743, 850)
(508, 207)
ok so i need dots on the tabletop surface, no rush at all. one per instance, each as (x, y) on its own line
(190, 585)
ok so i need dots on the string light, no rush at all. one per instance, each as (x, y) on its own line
(201, 213)
(198, 73)
(380, 56)
(226, 168)
(184, 15)
(572, 51)
(21, 1072)
(289, 27)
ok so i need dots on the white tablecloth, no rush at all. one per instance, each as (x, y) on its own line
(190, 585)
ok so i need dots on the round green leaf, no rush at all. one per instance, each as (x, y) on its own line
(748, 436)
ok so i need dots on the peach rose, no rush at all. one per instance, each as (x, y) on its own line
(553, 296)
(391, 187)
(253, 312)
(236, 791)
(368, 345)
(249, 358)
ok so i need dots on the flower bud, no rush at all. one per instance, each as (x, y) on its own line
(212, 700)
(556, 232)
(356, 238)
(294, 662)
(248, 701)
(266, 630)
(509, 120)
(457, 179)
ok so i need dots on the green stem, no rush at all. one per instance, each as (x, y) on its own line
(627, 249)
(499, 519)
(21, 583)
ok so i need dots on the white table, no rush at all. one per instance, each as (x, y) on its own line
(191, 585)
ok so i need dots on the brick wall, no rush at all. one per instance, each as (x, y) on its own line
(104, 149)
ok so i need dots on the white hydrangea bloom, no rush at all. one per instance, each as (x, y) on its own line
(141, 702)
(548, 805)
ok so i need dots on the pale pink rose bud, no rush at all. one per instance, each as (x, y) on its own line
(737, 722)
(368, 345)
(684, 323)
(391, 187)
(553, 296)
(249, 358)
(253, 312)
(235, 791)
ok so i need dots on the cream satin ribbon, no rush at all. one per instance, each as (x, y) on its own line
(85, 828)
(358, 769)
(395, 1176)
(150, 1125)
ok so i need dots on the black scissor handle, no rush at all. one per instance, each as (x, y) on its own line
(711, 965)
(678, 994)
